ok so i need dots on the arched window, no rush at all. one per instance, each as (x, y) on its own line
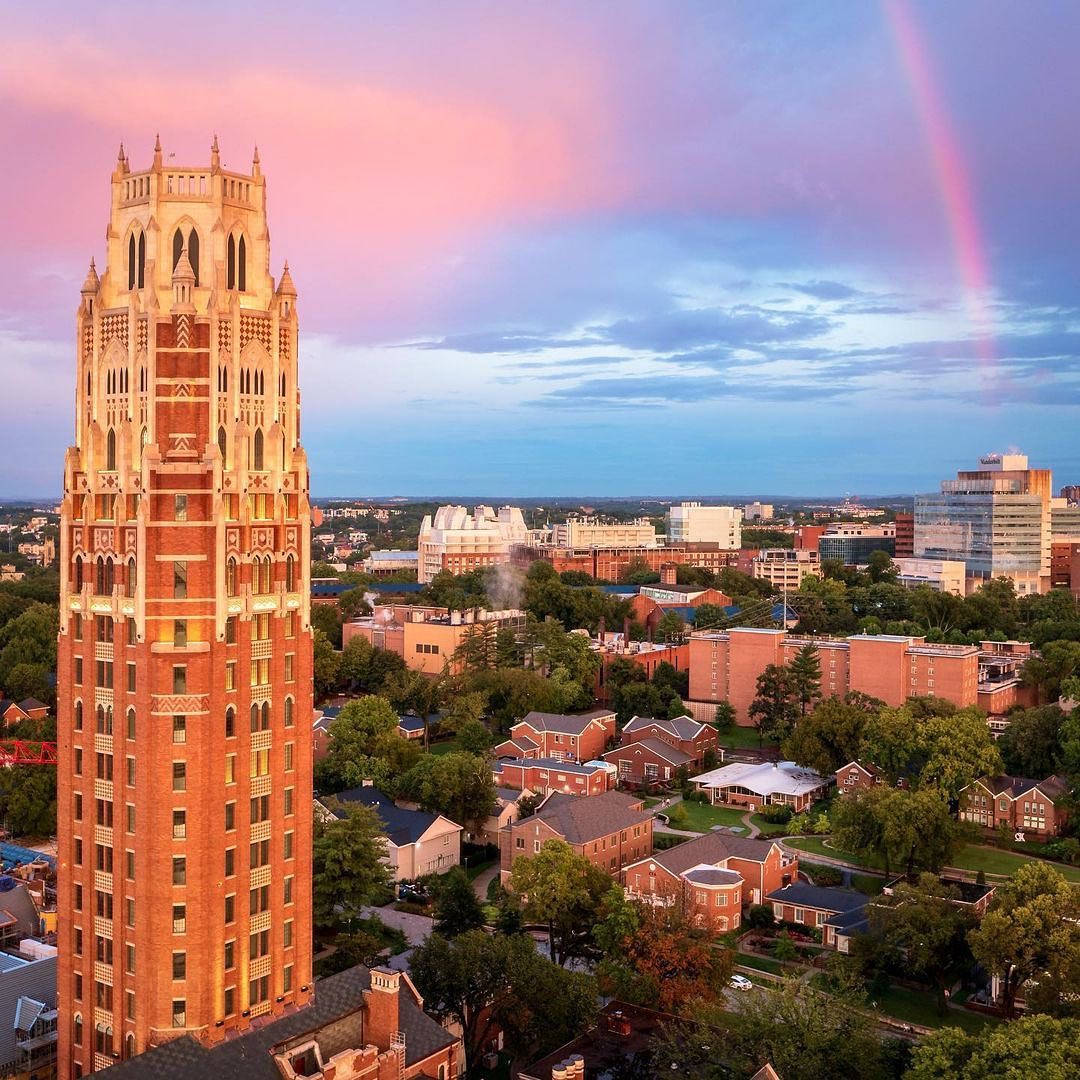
(132, 268)
(222, 442)
(193, 253)
(131, 723)
(76, 1029)
(290, 574)
(78, 716)
(109, 577)
(99, 720)
(254, 716)
(266, 716)
(142, 260)
(142, 379)
(129, 580)
(257, 455)
(232, 584)
(230, 722)
(99, 576)
(230, 265)
(177, 247)
(289, 712)
(129, 1045)
(78, 573)
(241, 265)
(110, 450)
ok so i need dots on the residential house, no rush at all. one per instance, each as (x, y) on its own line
(684, 733)
(573, 737)
(362, 1024)
(610, 830)
(762, 866)
(418, 843)
(837, 913)
(973, 897)
(320, 730)
(507, 810)
(1023, 806)
(858, 777)
(754, 785)
(545, 775)
(11, 713)
(648, 762)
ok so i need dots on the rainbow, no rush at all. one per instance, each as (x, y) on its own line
(951, 172)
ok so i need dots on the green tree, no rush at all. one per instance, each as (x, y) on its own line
(1032, 743)
(474, 737)
(880, 567)
(774, 709)
(325, 666)
(459, 786)
(827, 738)
(804, 674)
(670, 628)
(353, 604)
(457, 907)
(28, 800)
(327, 619)
(416, 693)
(724, 720)
(1032, 929)
(1058, 661)
(350, 863)
(563, 890)
(1031, 1046)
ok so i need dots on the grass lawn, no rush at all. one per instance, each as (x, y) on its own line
(761, 963)
(916, 1007)
(815, 845)
(701, 817)
(446, 746)
(652, 801)
(741, 738)
(769, 828)
(870, 884)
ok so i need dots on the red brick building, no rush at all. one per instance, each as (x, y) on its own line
(856, 777)
(760, 865)
(185, 659)
(647, 655)
(653, 601)
(684, 733)
(610, 830)
(544, 775)
(905, 536)
(1027, 806)
(612, 563)
(559, 736)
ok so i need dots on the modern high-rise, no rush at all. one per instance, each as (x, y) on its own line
(995, 519)
(690, 522)
(185, 662)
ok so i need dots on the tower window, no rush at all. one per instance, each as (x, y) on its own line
(241, 265)
(110, 450)
(257, 454)
(230, 268)
(132, 270)
(222, 441)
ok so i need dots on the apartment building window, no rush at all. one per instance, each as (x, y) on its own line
(179, 824)
(179, 776)
(230, 908)
(286, 935)
(287, 890)
(290, 707)
(78, 674)
(288, 844)
(230, 768)
(230, 630)
(130, 812)
(179, 730)
(288, 801)
(230, 955)
(131, 632)
(179, 965)
(260, 809)
(259, 990)
(259, 945)
(290, 660)
(77, 763)
(78, 851)
(129, 865)
(259, 854)
(180, 507)
(230, 816)
(130, 771)
(230, 1000)
(289, 756)
(131, 678)
(129, 1004)
(78, 898)
(179, 919)
(131, 723)
(179, 1013)
(76, 627)
(77, 941)
(76, 811)
(286, 985)
(129, 959)
(260, 763)
(129, 911)
(230, 675)
(230, 862)
(290, 624)
(179, 870)
(180, 579)
(180, 633)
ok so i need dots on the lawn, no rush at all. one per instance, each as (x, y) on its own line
(444, 746)
(917, 1007)
(701, 817)
(741, 738)
(760, 963)
(972, 857)
(769, 828)
(473, 872)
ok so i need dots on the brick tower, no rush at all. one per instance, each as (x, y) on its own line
(185, 666)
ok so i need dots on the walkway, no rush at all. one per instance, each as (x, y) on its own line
(752, 831)
(482, 880)
(416, 928)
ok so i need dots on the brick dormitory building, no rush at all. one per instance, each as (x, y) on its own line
(724, 666)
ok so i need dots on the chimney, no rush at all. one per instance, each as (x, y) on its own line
(600, 629)
(626, 628)
(669, 574)
(382, 1007)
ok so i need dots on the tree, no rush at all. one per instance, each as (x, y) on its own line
(804, 675)
(457, 907)
(365, 667)
(353, 604)
(28, 800)
(350, 863)
(827, 738)
(325, 665)
(1031, 744)
(459, 786)
(653, 954)
(774, 710)
(880, 567)
(1032, 929)
(327, 619)
(924, 924)
(416, 693)
(671, 627)
(1031, 1046)
(1058, 661)
(724, 720)
(563, 890)
(464, 707)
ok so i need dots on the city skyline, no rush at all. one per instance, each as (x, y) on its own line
(645, 250)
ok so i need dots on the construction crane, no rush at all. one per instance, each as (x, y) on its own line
(27, 752)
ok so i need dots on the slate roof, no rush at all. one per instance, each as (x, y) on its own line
(682, 727)
(27, 704)
(1016, 787)
(582, 819)
(713, 847)
(564, 723)
(402, 826)
(573, 768)
(783, 777)
(856, 921)
(665, 751)
(249, 1056)
(521, 743)
(710, 875)
(818, 896)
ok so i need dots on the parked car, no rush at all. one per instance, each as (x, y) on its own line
(412, 892)
(740, 982)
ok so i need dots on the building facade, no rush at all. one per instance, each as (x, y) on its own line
(852, 543)
(458, 541)
(690, 522)
(185, 663)
(785, 568)
(592, 532)
(995, 519)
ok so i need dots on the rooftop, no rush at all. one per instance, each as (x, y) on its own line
(780, 777)
(563, 723)
(817, 896)
(402, 826)
(712, 848)
(581, 820)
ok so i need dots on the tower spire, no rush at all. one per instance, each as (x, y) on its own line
(157, 151)
(215, 156)
(255, 169)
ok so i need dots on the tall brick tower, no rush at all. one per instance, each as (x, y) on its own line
(185, 665)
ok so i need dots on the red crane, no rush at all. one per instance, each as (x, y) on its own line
(27, 752)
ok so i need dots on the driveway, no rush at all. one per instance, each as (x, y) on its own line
(416, 928)
(482, 880)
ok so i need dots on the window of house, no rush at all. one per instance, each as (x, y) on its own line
(180, 579)
(179, 729)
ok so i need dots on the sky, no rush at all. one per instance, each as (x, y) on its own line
(591, 248)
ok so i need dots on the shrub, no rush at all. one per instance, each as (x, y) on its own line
(1067, 849)
(678, 816)
(760, 917)
(784, 948)
(827, 876)
(776, 814)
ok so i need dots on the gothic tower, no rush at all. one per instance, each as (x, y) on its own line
(185, 665)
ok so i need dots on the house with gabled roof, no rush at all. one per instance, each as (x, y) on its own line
(757, 784)
(563, 736)
(762, 866)
(610, 830)
(648, 762)
(692, 737)
(545, 775)
(1022, 805)
(838, 913)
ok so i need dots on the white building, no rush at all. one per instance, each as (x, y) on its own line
(692, 523)
(458, 541)
(941, 575)
(591, 532)
(758, 511)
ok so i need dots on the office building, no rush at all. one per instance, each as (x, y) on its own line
(941, 575)
(758, 511)
(592, 532)
(690, 522)
(995, 519)
(458, 541)
(184, 670)
(905, 535)
(785, 568)
(852, 543)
